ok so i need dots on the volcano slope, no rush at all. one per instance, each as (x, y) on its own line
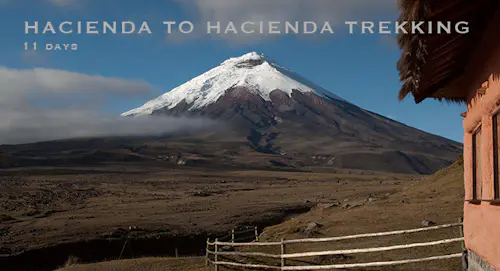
(283, 114)
(264, 116)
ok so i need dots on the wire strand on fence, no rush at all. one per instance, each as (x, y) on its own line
(245, 231)
(247, 235)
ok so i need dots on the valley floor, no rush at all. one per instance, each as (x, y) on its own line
(149, 264)
(44, 208)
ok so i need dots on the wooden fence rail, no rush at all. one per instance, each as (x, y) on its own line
(372, 264)
(336, 266)
(337, 252)
(283, 256)
(339, 238)
(367, 250)
(366, 235)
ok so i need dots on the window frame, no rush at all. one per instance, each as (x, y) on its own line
(475, 192)
(496, 145)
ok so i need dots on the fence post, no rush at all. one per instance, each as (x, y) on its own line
(232, 236)
(283, 252)
(216, 251)
(123, 249)
(256, 234)
(207, 255)
(461, 228)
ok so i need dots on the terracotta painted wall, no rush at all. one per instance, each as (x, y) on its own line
(482, 219)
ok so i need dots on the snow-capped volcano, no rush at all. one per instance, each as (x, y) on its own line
(252, 72)
(260, 116)
(276, 112)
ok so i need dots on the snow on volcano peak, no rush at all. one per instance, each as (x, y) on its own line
(250, 57)
(251, 71)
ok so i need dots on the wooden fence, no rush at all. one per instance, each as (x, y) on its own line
(214, 250)
(242, 235)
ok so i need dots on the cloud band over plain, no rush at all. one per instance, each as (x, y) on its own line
(47, 104)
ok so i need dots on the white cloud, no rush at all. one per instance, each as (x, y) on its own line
(19, 85)
(34, 58)
(334, 11)
(34, 125)
(46, 104)
(286, 10)
(64, 3)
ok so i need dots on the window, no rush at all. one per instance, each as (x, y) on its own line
(496, 146)
(476, 167)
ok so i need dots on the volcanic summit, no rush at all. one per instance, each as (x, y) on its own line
(281, 113)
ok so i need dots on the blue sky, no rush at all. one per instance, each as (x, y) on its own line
(359, 68)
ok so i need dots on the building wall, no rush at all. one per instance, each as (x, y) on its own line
(482, 218)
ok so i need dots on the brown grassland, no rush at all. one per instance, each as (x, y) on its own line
(50, 207)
